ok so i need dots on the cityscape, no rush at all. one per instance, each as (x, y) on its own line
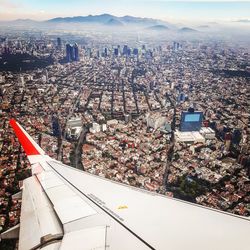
(158, 107)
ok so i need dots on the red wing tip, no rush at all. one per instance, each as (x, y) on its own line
(28, 146)
(12, 122)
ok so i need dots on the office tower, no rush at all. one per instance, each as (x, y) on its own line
(191, 121)
(89, 52)
(129, 52)
(135, 51)
(71, 52)
(105, 52)
(75, 52)
(236, 137)
(125, 50)
(176, 46)
(59, 43)
(143, 51)
(55, 126)
(68, 52)
(116, 51)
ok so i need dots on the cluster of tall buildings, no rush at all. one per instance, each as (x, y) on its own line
(177, 46)
(72, 52)
(125, 51)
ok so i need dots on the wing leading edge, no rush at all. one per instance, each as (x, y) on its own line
(90, 212)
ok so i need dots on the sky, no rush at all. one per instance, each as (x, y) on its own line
(180, 10)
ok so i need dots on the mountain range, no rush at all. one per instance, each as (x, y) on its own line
(107, 19)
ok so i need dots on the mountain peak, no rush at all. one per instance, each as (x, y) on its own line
(187, 29)
(158, 27)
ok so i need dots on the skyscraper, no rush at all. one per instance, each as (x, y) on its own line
(105, 52)
(59, 43)
(72, 52)
(116, 51)
(125, 50)
(129, 52)
(135, 51)
(68, 54)
(76, 52)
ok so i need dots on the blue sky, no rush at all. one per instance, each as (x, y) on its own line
(162, 9)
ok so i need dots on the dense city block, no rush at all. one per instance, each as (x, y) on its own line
(167, 116)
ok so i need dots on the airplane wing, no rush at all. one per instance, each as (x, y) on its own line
(65, 208)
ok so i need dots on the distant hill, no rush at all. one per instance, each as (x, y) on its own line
(139, 20)
(114, 22)
(24, 21)
(158, 27)
(187, 30)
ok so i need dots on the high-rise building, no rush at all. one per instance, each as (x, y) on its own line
(76, 52)
(116, 51)
(176, 46)
(129, 52)
(59, 43)
(55, 126)
(105, 52)
(68, 54)
(72, 52)
(236, 138)
(135, 51)
(125, 50)
(89, 52)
